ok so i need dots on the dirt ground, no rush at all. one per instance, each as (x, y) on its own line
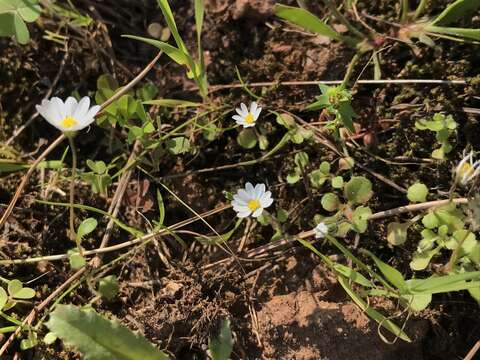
(286, 305)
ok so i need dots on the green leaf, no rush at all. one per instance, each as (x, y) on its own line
(352, 275)
(418, 302)
(417, 193)
(3, 298)
(172, 52)
(24, 293)
(337, 182)
(76, 261)
(108, 287)
(346, 115)
(14, 286)
(86, 227)
(28, 10)
(107, 81)
(445, 283)
(178, 145)
(317, 178)
(455, 11)
(282, 215)
(293, 177)
(221, 347)
(301, 159)
(472, 34)
(306, 20)
(372, 313)
(98, 338)
(330, 202)
(14, 14)
(161, 208)
(168, 15)
(49, 338)
(360, 218)
(12, 24)
(247, 138)
(358, 190)
(391, 274)
(397, 233)
(421, 260)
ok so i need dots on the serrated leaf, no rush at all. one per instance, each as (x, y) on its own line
(98, 338)
(86, 227)
(178, 145)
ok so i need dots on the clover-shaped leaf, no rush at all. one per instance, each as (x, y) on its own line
(17, 291)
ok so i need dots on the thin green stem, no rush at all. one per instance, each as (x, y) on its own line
(73, 234)
(420, 8)
(404, 11)
(351, 67)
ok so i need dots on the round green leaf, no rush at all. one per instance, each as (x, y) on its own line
(247, 139)
(337, 182)
(330, 202)
(397, 233)
(358, 190)
(14, 286)
(417, 193)
(24, 293)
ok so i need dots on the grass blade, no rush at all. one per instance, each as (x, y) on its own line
(456, 11)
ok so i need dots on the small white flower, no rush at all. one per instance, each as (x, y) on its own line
(467, 169)
(69, 116)
(321, 230)
(245, 117)
(251, 200)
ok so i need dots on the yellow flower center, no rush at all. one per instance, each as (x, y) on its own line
(249, 118)
(465, 169)
(253, 205)
(68, 122)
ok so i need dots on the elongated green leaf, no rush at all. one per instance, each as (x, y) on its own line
(172, 52)
(446, 283)
(353, 275)
(306, 20)
(199, 13)
(390, 273)
(98, 338)
(172, 103)
(371, 312)
(167, 13)
(472, 34)
(456, 11)
(161, 208)
(220, 348)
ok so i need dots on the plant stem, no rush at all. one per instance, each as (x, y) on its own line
(404, 11)
(72, 194)
(350, 68)
(421, 6)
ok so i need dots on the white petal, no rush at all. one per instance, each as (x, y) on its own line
(93, 111)
(58, 107)
(256, 114)
(257, 212)
(247, 125)
(250, 189)
(81, 110)
(253, 107)
(70, 105)
(238, 118)
(259, 190)
(243, 214)
(266, 201)
(243, 196)
(244, 108)
(241, 112)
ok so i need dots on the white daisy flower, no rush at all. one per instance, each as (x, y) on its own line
(69, 116)
(251, 200)
(321, 230)
(245, 117)
(467, 169)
